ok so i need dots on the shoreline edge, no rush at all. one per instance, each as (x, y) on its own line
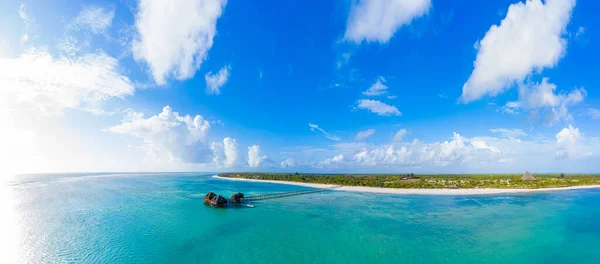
(382, 190)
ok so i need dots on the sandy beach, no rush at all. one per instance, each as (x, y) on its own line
(417, 191)
(312, 185)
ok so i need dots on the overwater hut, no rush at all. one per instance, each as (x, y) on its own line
(528, 177)
(237, 198)
(214, 200)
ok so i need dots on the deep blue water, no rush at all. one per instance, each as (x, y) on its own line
(160, 218)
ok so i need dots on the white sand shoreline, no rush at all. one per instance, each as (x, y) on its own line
(417, 191)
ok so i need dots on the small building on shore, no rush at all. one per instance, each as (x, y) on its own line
(528, 177)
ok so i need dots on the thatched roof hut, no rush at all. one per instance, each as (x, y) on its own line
(237, 198)
(214, 200)
(528, 177)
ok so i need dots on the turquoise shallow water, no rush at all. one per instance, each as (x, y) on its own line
(160, 218)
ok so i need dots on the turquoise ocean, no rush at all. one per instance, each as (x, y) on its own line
(160, 218)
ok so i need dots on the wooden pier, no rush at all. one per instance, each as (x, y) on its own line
(216, 200)
(285, 194)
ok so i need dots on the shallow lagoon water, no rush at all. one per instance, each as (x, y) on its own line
(160, 218)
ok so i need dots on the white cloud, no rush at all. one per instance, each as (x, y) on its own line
(460, 154)
(338, 159)
(314, 127)
(476, 154)
(23, 14)
(543, 102)
(27, 20)
(288, 163)
(362, 135)
(459, 150)
(174, 37)
(594, 113)
(379, 107)
(231, 153)
(378, 88)
(399, 136)
(511, 108)
(214, 82)
(553, 115)
(509, 133)
(580, 32)
(52, 84)
(570, 144)
(528, 39)
(543, 95)
(218, 150)
(546, 103)
(225, 154)
(96, 19)
(254, 157)
(168, 135)
(481, 144)
(378, 20)
(348, 146)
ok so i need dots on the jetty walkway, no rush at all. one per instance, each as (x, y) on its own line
(285, 194)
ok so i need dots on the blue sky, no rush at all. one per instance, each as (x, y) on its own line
(401, 86)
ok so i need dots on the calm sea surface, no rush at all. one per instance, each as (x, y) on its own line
(160, 218)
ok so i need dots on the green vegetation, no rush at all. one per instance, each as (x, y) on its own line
(410, 180)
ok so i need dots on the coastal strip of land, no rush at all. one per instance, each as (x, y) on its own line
(382, 190)
(305, 184)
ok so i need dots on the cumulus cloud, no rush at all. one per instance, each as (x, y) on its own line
(96, 19)
(179, 138)
(378, 88)
(338, 159)
(254, 157)
(231, 153)
(174, 37)
(399, 136)
(461, 154)
(417, 153)
(542, 101)
(51, 84)
(569, 143)
(225, 154)
(315, 128)
(546, 104)
(378, 20)
(288, 163)
(460, 151)
(543, 95)
(528, 39)
(214, 82)
(509, 133)
(379, 107)
(362, 135)
(481, 144)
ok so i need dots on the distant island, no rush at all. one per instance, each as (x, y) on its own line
(428, 184)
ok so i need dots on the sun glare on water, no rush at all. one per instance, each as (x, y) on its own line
(9, 226)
